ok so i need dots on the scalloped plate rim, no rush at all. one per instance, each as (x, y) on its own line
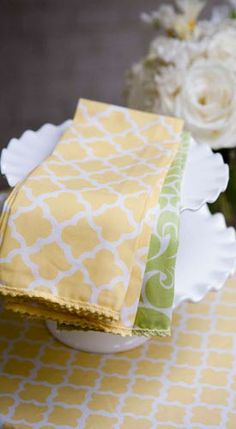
(223, 275)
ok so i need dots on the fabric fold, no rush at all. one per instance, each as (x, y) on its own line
(155, 307)
(75, 234)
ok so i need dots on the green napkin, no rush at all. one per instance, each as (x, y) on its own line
(156, 301)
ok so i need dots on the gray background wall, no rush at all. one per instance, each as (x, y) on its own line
(54, 51)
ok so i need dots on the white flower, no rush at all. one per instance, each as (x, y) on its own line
(164, 17)
(170, 51)
(167, 50)
(193, 75)
(143, 90)
(191, 8)
(153, 83)
(185, 23)
(207, 103)
(181, 24)
(222, 46)
(168, 82)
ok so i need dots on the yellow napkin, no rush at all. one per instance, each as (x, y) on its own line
(75, 234)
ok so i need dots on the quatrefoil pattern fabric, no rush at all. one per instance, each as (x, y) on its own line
(75, 234)
(186, 381)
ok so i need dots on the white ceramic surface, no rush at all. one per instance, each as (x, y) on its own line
(206, 175)
(206, 258)
(206, 255)
(22, 155)
(95, 342)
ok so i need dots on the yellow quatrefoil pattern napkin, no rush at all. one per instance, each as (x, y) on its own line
(75, 234)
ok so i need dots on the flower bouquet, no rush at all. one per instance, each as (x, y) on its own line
(189, 71)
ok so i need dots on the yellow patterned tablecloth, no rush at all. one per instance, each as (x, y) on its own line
(187, 381)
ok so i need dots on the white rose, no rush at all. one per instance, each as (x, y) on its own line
(222, 46)
(207, 103)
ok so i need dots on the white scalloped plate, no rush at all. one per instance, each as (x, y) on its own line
(206, 257)
(206, 175)
(24, 154)
(206, 254)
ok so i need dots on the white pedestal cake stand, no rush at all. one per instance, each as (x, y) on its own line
(207, 249)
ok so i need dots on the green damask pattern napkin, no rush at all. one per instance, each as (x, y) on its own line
(156, 301)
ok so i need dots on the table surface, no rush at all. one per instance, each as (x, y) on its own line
(185, 381)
